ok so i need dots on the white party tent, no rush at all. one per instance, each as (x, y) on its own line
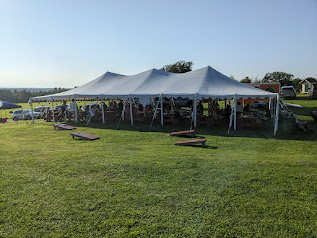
(201, 83)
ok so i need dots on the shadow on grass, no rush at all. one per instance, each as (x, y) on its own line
(266, 132)
(203, 147)
(302, 97)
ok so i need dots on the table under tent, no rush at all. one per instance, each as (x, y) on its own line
(204, 83)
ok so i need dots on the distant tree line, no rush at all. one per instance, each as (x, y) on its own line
(17, 96)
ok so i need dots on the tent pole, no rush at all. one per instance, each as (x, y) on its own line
(32, 111)
(53, 109)
(161, 111)
(195, 110)
(235, 112)
(191, 121)
(65, 118)
(273, 111)
(131, 116)
(154, 115)
(230, 123)
(76, 116)
(270, 108)
(122, 115)
(102, 110)
(277, 111)
(123, 110)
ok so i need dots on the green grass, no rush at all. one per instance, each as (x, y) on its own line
(135, 183)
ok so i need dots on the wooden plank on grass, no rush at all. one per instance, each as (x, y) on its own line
(188, 133)
(84, 136)
(63, 127)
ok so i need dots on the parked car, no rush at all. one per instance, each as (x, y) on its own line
(59, 107)
(288, 92)
(260, 104)
(41, 110)
(313, 91)
(24, 114)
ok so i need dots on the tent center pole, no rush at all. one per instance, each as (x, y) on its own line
(277, 111)
(123, 110)
(102, 110)
(162, 111)
(195, 111)
(53, 109)
(75, 108)
(32, 111)
(131, 116)
(235, 112)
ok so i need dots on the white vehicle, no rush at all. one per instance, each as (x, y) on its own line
(24, 114)
(288, 92)
(41, 110)
(59, 107)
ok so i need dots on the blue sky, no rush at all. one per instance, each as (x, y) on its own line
(62, 43)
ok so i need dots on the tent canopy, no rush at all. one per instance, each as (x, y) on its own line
(201, 83)
(8, 105)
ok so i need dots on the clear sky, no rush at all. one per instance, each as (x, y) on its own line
(66, 43)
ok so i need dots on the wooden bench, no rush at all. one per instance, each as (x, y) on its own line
(189, 133)
(63, 127)
(84, 136)
(192, 142)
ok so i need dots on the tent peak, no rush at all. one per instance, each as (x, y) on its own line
(112, 74)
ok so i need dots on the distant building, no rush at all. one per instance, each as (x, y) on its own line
(306, 84)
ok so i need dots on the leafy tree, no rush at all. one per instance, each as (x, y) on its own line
(256, 80)
(281, 77)
(178, 67)
(232, 77)
(311, 78)
(246, 80)
(296, 84)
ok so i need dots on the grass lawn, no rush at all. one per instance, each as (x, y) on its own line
(134, 182)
